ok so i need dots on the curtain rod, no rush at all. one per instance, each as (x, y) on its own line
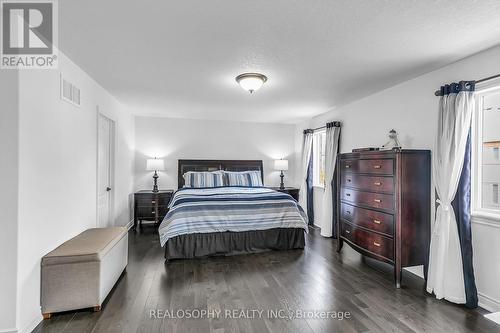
(488, 78)
(438, 92)
(332, 124)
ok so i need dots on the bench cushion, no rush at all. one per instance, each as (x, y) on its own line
(90, 245)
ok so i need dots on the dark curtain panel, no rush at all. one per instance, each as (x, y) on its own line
(310, 199)
(335, 189)
(462, 206)
(334, 205)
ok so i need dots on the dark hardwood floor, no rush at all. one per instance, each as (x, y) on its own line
(314, 279)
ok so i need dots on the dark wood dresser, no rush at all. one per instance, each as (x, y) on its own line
(294, 192)
(384, 206)
(151, 206)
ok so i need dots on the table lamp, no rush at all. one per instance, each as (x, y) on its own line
(155, 164)
(281, 165)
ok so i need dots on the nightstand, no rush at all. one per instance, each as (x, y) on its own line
(151, 206)
(294, 192)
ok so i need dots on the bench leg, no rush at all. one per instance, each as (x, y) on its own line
(46, 315)
(97, 308)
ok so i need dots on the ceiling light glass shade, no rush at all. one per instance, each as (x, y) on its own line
(281, 165)
(155, 164)
(251, 81)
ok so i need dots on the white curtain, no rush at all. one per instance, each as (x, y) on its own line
(306, 155)
(445, 276)
(331, 148)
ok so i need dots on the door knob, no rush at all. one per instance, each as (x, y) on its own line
(108, 188)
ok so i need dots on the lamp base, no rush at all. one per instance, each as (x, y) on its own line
(155, 180)
(282, 184)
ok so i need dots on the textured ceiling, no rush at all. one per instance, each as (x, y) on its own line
(179, 58)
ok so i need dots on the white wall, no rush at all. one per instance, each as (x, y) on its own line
(411, 108)
(9, 144)
(57, 168)
(174, 139)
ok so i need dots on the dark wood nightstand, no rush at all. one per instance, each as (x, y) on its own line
(294, 192)
(151, 206)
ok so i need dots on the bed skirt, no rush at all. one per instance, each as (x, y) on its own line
(231, 243)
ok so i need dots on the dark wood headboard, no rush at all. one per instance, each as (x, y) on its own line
(214, 165)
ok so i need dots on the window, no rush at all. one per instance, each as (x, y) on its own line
(319, 141)
(487, 152)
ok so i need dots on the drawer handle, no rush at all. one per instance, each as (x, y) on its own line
(153, 202)
(347, 166)
(376, 244)
(348, 194)
(348, 180)
(347, 231)
(377, 183)
(348, 212)
(152, 212)
(377, 166)
(377, 200)
(377, 221)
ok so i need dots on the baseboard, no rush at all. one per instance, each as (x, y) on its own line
(416, 270)
(130, 224)
(8, 330)
(485, 302)
(488, 303)
(34, 323)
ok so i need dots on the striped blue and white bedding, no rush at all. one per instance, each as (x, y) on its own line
(221, 209)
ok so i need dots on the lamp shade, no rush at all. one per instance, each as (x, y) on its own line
(155, 164)
(281, 165)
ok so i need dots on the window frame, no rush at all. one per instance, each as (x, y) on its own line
(482, 90)
(317, 156)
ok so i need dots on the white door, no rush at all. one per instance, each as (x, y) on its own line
(105, 169)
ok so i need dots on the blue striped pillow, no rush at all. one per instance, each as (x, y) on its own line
(244, 178)
(198, 179)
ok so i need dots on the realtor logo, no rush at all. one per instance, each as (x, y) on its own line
(29, 34)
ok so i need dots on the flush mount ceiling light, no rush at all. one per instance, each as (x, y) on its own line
(251, 81)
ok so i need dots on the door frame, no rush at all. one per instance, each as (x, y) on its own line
(112, 165)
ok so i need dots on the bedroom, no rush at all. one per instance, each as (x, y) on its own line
(159, 79)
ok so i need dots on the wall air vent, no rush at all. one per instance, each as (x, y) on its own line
(69, 92)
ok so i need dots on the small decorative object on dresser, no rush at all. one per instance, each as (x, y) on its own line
(393, 141)
(281, 165)
(360, 150)
(151, 206)
(155, 164)
(384, 206)
(294, 192)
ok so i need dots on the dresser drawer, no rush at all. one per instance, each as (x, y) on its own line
(369, 219)
(145, 212)
(146, 201)
(368, 183)
(369, 241)
(152, 199)
(373, 200)
(378, 167)
(162, 210)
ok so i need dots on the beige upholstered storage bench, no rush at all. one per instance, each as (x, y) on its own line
(81, 272)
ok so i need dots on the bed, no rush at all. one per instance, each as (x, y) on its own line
(229, 220)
